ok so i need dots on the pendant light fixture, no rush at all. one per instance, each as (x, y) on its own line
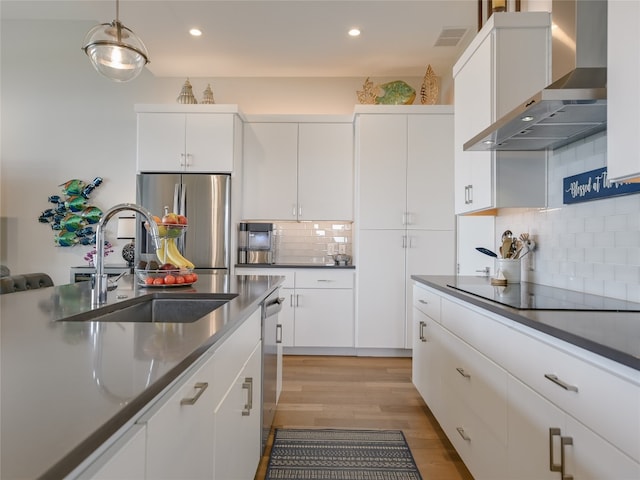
(115, 51)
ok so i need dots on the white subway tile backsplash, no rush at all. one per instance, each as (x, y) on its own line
(592, 246)
(311, 243)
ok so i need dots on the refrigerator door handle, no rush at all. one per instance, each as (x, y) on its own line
(182, 210)
(176, 197)
(182, 207)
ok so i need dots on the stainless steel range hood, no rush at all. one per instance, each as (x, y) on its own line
(574, 106)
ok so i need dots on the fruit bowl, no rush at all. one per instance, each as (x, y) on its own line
(166, 278)
(169, 230)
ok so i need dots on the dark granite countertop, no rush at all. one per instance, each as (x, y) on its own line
(69, 386)
(612, 334)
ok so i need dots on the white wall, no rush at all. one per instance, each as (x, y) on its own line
(60, 120)
(591, 247)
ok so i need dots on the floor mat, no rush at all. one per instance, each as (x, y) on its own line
(314, 454)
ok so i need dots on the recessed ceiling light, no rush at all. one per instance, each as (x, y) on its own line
(354, 32)
(527, 118)
(196, 32)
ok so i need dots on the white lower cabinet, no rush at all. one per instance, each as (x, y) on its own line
(180, 432)
(547, 443)
(207, 426)
(426, 359)
(236, 421)
(318, 308)
(518, 404)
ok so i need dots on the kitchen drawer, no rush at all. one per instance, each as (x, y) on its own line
(600, 399)
(324, 278)
(478, 382)
(485, 334)
(480, 450)
(427, 302)
(231, 356)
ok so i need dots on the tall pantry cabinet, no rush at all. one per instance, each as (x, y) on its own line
(405, 220)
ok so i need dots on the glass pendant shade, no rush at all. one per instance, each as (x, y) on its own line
(115, 51)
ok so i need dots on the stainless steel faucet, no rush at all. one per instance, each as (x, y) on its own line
(100, 282)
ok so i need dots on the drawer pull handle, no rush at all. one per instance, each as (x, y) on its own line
(422, 325)
(564, 441)
(557, 381)
(463, 373)
(424, 302)
(248, 384)
(325, 280)
(201, 387)
(278, 334)
(553, 467)
(463, 434)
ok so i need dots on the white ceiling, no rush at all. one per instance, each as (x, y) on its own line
(282, 38)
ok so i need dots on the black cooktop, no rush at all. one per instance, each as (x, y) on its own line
(531, 296)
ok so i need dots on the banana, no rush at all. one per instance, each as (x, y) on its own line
(175, 256)
(162, 251)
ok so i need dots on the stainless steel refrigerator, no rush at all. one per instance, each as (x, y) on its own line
(205, 200)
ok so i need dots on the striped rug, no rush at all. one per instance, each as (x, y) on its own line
(314, 454)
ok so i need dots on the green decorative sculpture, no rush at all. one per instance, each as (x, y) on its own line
(396, 93)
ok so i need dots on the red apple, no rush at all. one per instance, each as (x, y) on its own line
(182, 220)
(170, 219)
(168, 266)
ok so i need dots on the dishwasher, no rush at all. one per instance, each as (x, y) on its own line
(271, 360)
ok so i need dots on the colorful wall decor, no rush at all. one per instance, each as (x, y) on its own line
(72, 217)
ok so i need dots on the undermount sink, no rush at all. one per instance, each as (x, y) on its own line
(157, 309)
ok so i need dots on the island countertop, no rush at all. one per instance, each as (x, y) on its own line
(614, 335)
(68, 386)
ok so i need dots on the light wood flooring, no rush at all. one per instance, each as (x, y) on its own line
(366, 393)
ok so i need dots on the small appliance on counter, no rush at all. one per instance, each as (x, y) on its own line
(255, 243)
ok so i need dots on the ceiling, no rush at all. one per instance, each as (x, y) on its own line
(283, 38)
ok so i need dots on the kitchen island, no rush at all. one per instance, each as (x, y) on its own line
(70, 387)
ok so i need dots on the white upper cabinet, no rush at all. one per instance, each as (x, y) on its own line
(270, 170)
(198, 140)
(382, 171)
(623, 95)
(298, 170)
(325, 171)
(508, 61)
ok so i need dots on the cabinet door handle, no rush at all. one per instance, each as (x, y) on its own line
(325, 280)
(553, 467)
(183, 159)
(421, 332)
(300, 211)
(278, 333)
(470, 194)
(291, 300)
(463, 434)
(201, 387)
(404, 241)
(297, 299)
(424, 302)
(564, 441)
(557, 381)
(463, 373)
(293, 210)
(248, 385)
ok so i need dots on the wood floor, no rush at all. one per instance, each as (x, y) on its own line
(364, 392)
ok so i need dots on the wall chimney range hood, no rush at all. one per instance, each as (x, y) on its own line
(574, 106)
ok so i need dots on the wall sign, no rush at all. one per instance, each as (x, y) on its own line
(594, 185)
